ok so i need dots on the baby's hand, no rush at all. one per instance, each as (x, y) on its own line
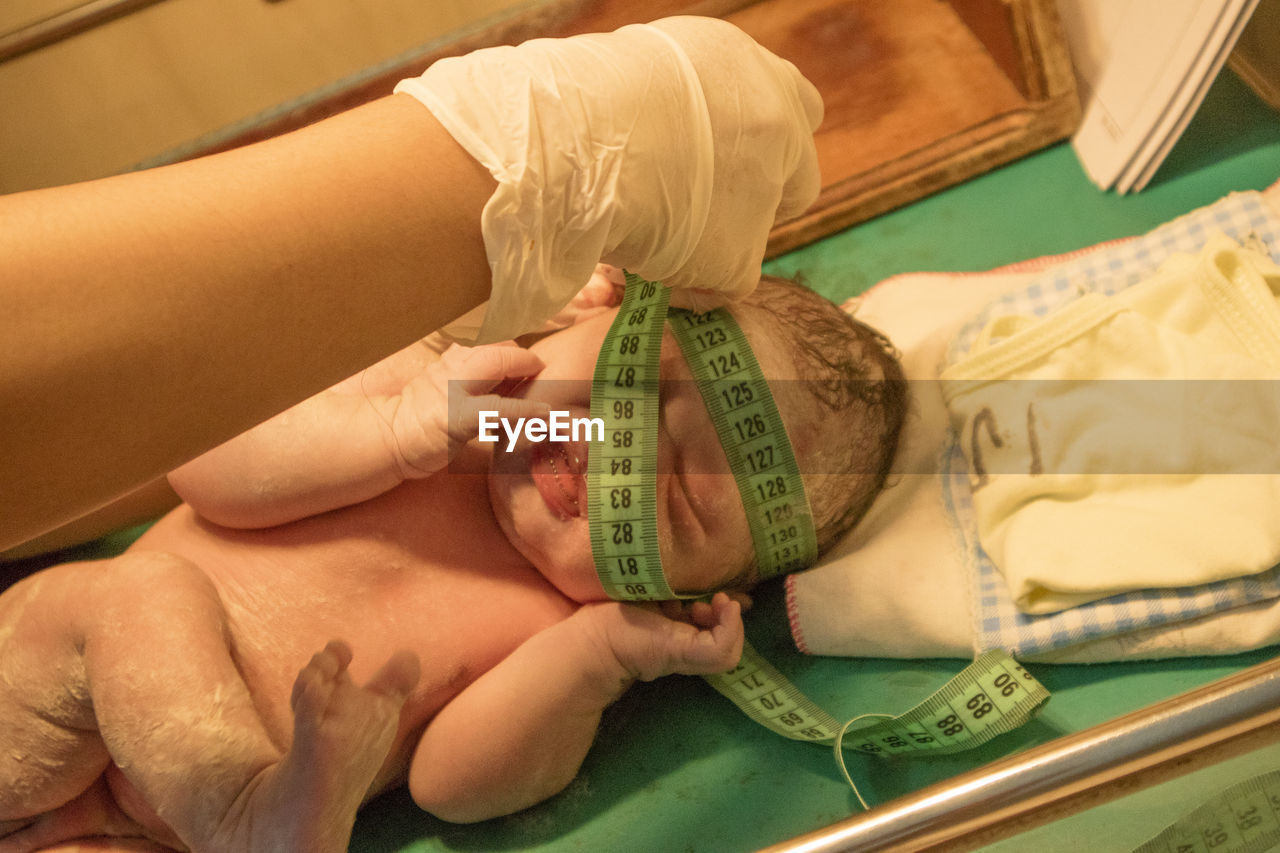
(439, 411)
(650, 641)
(602, 292)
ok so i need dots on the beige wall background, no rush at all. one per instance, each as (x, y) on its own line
(105, 100)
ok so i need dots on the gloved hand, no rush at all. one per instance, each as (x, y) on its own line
(667, 148)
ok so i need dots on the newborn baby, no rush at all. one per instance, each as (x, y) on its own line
(194, 691)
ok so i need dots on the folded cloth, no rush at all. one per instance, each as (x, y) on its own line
(920, 530)
(1118, 444)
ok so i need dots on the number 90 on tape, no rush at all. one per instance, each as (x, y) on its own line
(992, 695)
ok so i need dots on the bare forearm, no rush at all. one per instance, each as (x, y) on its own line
(152, 316)
(518, 734)
(331, 450)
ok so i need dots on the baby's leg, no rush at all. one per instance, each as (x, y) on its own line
(50, 750)
(93, 814)
(168, 702)
(341, 736)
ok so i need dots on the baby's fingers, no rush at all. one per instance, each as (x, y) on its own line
(481, 369)
(603, 290)
(468, 415)
(610, 273)
(717, 647)
(708, 614)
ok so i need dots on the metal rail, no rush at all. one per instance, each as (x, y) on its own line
(66, 24)
(1195, 729)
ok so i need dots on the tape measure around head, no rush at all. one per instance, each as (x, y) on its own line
(991, 696)
(622, 470)
(1244, 818)
(753, 437)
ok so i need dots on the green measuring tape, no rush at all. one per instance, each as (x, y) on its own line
(1244, 818)
(990, 696)
(753, 437)
(622, 471)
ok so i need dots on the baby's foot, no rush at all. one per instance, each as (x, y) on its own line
(341, 737)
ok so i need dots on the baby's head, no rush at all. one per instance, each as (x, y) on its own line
(838, 389)
(843, 403)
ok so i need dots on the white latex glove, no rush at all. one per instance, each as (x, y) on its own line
(668, 148)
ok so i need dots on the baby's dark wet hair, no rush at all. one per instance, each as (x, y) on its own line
(850, 375)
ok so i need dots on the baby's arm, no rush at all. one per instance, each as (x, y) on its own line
(518, 734)
(362, 437)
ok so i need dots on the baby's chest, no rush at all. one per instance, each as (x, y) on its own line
(459, 620)
(461, 623)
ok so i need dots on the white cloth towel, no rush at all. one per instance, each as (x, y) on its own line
(911, 581)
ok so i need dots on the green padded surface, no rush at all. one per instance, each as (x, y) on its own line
(676, 767)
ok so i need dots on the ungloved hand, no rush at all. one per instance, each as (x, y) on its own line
(667, 148)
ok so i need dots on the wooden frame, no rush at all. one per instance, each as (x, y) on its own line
(919, 94)
(955, 90)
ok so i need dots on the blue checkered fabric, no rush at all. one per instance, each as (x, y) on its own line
(997, 621)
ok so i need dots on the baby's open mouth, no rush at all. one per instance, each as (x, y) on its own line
(559, 470)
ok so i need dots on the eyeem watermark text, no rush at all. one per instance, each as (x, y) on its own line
(559, 427)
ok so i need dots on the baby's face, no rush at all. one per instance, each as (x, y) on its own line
(539, 493)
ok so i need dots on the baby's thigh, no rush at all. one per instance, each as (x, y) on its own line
(93, 657)
(41, 617)
(144, 596)
(50, 750)
(153, 633)
(53, 623)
